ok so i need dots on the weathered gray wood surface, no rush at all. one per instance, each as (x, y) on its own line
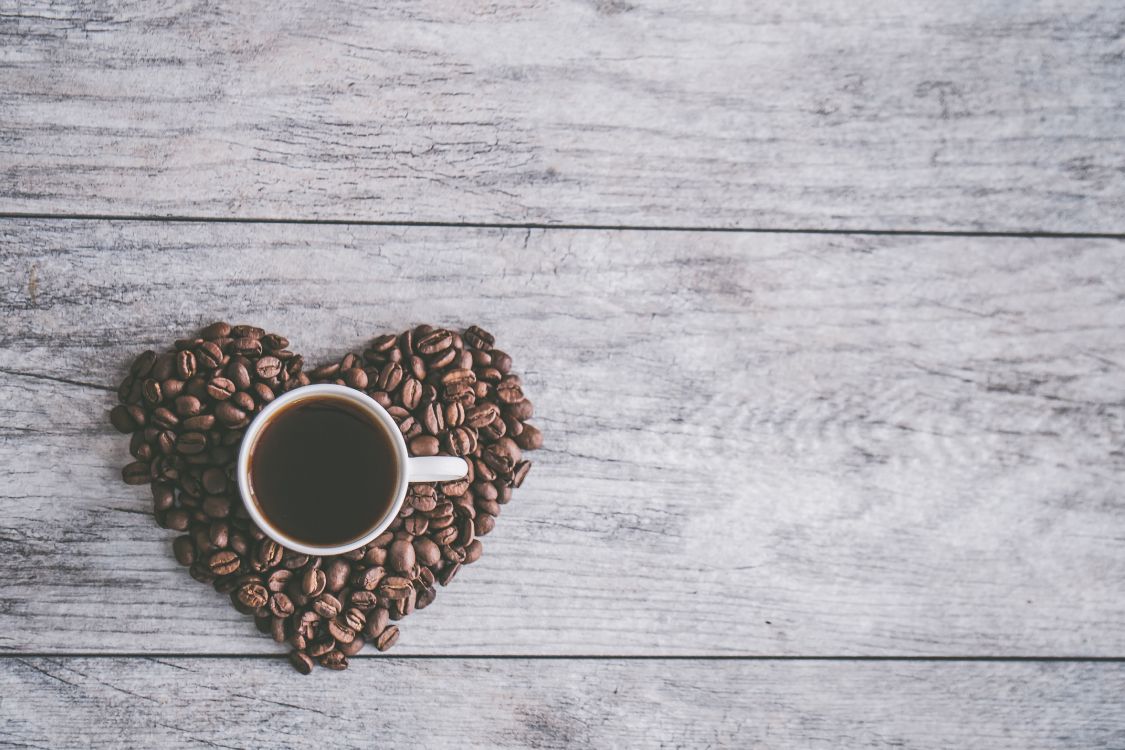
(912, 115)
(242, 703)
(756, 444)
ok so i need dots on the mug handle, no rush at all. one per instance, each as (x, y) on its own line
(435, 469)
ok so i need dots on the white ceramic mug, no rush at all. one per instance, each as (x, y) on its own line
(410, 469)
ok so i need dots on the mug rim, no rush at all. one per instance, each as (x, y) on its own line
(262, 419)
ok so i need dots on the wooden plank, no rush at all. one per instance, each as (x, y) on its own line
(756, 444)
(914, 115)
(243, 703)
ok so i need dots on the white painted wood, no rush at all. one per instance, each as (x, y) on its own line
(243, 703)
(909, 115)
(755, 444)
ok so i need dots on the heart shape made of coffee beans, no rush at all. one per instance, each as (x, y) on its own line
(450, 393)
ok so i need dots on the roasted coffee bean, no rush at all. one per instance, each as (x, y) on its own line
(485, 490)
(274, 342)
(216, 506)
(253, 595)
(243, 401)
(185, 364)
(324, 372)
(494, 431)
(336, 574)
(327, 606)
(478, 338)
(220, 389)
(268, 367)
(278, 629)
(171, 388)
(411, 393)
(426, 552)
(416, 525)
(395, 587)
(246, 346)
(184, 549)
(294, 560)
(334, 660)
(355, 377)
(214, 480)
(368, 579)
(263, 393)
(238, 374)
(520, 472)
(200, 423)
(278, 580)
(425, 597)
(387, 638)
(269, 553)
(377, 621)
(364, 599)
(122, 420)
(441, 359)
(482, 414)
(422, 497)
(228, 414)
(444, 535)
(164, 418)
(152, 391)
(433, 342)
(217, 330)
(239, 543)
(219, 534)
(433, 419)
(281, 605)
(448, 572)
(188, 406)
(452, 554)
(137, 472)
(424, 445)
(143, 364)
(353, 618)
(502, 455)
(491, 507)
(482, 471)
(454, 414)
(209, 355)
(313, 582)
(384, 343)
(322, 645)
(466, 531)
(484, 523)
(461, 441)
(223, 562)
(191, 443)
(301, 662)
(339, 631)
(163, 497)
(352, 647)
(389, 377)
(247, 331)
(400, 557)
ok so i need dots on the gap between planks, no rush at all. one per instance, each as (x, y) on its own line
(18, 215)
(583, 657)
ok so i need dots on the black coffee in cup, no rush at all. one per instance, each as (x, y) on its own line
(323, 471)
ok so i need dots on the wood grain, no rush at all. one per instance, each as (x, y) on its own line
(989, 115)
(755, 444)
(238, 703)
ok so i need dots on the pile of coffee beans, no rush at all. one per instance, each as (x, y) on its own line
(450, 393)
